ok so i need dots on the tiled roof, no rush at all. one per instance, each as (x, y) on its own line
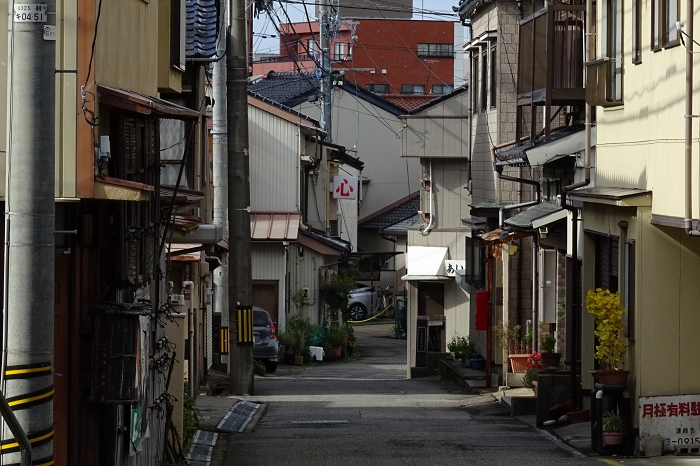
(289, 89)
(394, 213)
(293, 88)
(410, 102)
(202, 28)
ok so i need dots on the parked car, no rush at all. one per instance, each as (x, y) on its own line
(265, 338)
(362, 302)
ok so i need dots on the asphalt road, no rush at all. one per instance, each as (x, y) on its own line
(366, 412)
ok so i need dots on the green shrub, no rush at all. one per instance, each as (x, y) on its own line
(530, 376)
(190, 418)
(547, 343)
(259, 368)
(461, 347)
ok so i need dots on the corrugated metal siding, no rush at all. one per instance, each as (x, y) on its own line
(450, 200)
(268, 264)
(439, 137)
(304, 273)
(274, 162)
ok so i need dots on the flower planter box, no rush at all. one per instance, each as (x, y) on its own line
(518, 362)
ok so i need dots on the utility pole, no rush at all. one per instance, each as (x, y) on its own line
(220, 171)
(326, 78)
(28, 356)
(240, 287)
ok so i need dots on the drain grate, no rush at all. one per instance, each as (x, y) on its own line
(202, 446)
(322, 421)
(238, 417)
(204, 437)
(200, 454)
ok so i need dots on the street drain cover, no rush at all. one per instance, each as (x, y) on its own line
(238, 417)
(200, 454)
(320, 422)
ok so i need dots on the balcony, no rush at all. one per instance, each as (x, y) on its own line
(551, 61)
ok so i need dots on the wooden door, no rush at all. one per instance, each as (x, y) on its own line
(265, 296)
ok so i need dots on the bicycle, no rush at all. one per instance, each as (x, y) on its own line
(388, 301)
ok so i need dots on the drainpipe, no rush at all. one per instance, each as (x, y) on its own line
(425, 231)
(575, 305)
(688, 221)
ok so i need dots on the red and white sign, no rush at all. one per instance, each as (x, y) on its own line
(344, 187)
(675, 418)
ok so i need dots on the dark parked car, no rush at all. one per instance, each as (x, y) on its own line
(265, 339)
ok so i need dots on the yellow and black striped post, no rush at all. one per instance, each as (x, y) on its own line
(223, 340)
(245, 325)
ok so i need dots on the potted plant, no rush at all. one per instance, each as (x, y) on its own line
(333, 341)
(510, 339)
(462, 348)
(527, 339)
(550, 359)
(609, 313)
(613, 429)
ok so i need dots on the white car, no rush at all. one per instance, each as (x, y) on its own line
(363, 302)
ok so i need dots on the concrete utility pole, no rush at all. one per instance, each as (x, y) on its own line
(240, 286)
(326, 79)
(220, 172)
(29, 220)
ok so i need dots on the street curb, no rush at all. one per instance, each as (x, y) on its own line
(256, 418)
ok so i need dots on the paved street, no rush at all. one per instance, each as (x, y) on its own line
(365, 412)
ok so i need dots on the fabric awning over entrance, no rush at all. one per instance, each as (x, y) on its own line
(536, 216)
(425, 263)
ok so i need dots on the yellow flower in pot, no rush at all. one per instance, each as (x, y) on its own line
(609, 313)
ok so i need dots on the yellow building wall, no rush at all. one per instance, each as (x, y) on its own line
(169, 78)
(664, 351)
(126, 53)
(641, 143)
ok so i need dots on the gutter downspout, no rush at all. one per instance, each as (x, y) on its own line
(575, 305)
(425, 231)
(688, 221)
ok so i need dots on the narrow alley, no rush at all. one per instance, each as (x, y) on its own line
(365, 412)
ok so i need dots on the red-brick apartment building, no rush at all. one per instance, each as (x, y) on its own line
(384, 56)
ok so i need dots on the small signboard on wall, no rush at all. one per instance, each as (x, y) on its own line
(344, 187)
(674, 418)
(452, 266)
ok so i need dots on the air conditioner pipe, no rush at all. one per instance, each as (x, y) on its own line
(688, 221)
(575, 304)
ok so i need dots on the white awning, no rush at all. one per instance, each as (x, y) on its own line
(426, 263)
(549, 218)
(567, 145)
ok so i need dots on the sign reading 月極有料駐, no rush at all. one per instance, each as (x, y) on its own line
(344, 187)
(674, 418)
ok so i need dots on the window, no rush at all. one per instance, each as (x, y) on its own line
(475, 82)
(441, 89)
(613, 47)
(378, 88)
(312, 46)
(484, 81)
(664, 14)
(177, 34)
(636, 31)
(340, 51)
(671, 16)
(436, 50)
(494, 77)
(475, 263)
(413, 89)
